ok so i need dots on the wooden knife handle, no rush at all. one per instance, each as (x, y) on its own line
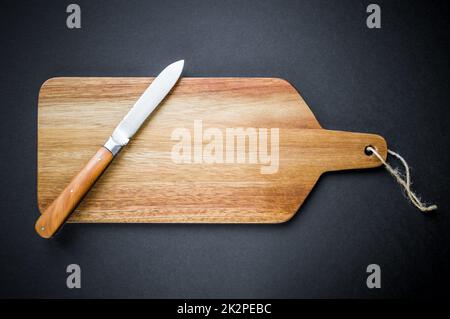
(60, 209)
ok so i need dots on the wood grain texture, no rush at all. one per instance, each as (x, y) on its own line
(59, 210)
(76, 115)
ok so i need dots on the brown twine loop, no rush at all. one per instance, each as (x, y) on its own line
(406, 183)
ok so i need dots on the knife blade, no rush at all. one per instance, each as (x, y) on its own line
(60, 209)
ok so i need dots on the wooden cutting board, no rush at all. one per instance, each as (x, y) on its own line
(146, 182)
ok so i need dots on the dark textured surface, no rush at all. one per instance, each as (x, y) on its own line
(392, 81)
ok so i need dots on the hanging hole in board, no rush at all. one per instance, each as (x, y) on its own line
(368, 151)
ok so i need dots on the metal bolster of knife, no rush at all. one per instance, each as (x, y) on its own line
(116, 141)
(113, 146)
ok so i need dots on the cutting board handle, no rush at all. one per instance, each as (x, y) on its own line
(60, 209)
(340, 150)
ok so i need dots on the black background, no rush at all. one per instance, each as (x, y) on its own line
(392, 81)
